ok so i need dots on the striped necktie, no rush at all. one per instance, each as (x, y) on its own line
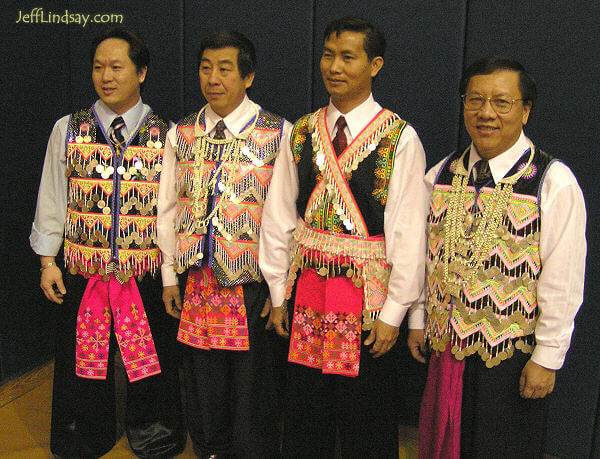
(116, 136)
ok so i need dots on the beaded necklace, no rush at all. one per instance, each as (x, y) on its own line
(223, 151)
(460, 226)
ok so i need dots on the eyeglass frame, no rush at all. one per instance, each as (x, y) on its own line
(490, 99)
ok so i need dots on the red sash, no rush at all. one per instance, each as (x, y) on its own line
(327, 324)
(439, 420)
(100, 299)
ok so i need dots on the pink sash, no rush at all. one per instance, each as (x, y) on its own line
(131, 329)
(327, 324)
(213, 316)
(439, 420)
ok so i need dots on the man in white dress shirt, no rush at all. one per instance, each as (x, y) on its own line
(217, 169)
(341, 247)
(506, 261)
(98, 196)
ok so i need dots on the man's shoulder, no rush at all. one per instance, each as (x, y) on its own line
(304, 121)
(269, 119)
(157, 119)
(301, 128)
(188, 120)
(557, 174)
(77, 118)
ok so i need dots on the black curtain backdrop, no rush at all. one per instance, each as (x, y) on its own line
(46, 74)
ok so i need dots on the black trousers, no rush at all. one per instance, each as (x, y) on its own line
(363, 412)
(83, 410)
(231, 396)
(495, 420)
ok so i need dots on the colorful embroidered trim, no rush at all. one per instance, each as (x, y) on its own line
(88, 260)
(386, 152)
(362, 260)
(327, 324)
(213, 316)
(238, 171)
(101, 301)
(333, 186)
(496, 309)
(93, 170)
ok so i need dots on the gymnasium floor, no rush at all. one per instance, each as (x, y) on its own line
(25, 421)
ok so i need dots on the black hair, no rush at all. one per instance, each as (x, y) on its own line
(226, 37)
(374, 42)
(488, 65)
(138, 50)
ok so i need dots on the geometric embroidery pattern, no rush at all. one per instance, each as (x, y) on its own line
(327, 324)
(213, 316)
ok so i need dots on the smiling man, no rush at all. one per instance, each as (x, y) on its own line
(98, 192)
(346, 207)
(506, 261)
(217, 169)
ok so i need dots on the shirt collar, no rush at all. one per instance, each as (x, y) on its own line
(356, 119)
(501, 164)
(132, 117)
(235, 121)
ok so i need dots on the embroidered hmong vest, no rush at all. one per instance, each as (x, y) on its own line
(492, 308)
(229, 181)
(111, 203)
(342, 201)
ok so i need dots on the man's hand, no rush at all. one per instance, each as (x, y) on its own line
(279, 320)
(266, 311)
(416, 344)
(172, 299)
(536, 381)
(52, 284)
(384, 336)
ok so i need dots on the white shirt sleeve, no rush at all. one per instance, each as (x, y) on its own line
(47, 232)
(562, 250)
(278, 222)
(404, 232)
(166, 210)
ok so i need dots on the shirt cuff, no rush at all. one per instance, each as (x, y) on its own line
(416, 317)
(43, 244)
(169, 277)
(549, 357)
(392, 313)
(277, 291)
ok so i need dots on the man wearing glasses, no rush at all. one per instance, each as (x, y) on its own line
(505, 264)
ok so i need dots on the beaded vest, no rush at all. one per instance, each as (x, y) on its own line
(221, 189)
(111, 202)
(483, 260)
(342, 201)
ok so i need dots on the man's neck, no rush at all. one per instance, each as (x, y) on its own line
(345, 105)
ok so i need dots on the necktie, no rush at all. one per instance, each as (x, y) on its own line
(339, 141)
(484, 174)
(116, 136)
(219, 131)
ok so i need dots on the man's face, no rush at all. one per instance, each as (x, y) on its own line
(491, 132)
(346, 69)
(116, 79)
(221, 81)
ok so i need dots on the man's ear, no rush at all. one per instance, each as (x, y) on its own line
(376, 65)
(142, 74)
(249, 80)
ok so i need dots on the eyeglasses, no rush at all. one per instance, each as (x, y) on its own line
(499, 105)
